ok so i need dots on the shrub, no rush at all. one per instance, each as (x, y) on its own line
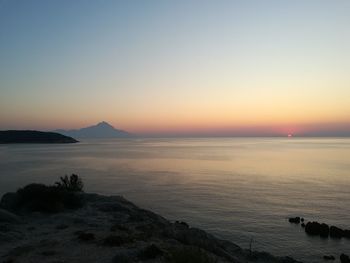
(48, 199)
(71, 183)
(39, 197)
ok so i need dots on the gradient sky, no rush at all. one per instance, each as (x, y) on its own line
(177, 67)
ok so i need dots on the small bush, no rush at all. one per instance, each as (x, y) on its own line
(48, 199)
(190, 255)
(39, 197)
(71, 183)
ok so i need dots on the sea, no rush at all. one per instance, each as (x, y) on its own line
(239, 189)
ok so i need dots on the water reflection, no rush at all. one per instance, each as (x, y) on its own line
(239, 188)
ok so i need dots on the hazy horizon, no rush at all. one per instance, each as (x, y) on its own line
(184, 68)
(247, 132)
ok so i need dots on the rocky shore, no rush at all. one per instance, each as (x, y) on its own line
(110, 229)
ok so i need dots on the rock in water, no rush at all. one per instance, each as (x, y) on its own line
(295, 220)
(344, 258)
(336, 232)
(330, 257)
(313, 228)
(346, 233)
(324, 230)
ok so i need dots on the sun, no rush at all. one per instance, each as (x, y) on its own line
(290, 135)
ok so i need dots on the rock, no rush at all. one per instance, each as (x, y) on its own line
(9, 236)
(8, 217)
(21, 250)
(195, 254)
(302, 219)
(5, 238)
(303, 225)
(118, 227)
(294, 220)
(346, 233)
(330, 257)
(48, 253)
(344, 258)
(125, 256)
(116, 241)
(182, 223)
(313, 228)
(61, 227)
(150, 252)
(113, 207)
(86, 236)
(131, 241)
(9, 201)
(23, 136)
(324, 230)
(336, 232)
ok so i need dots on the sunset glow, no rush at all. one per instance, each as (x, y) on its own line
(279, 67)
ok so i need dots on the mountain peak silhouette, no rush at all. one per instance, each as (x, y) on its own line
(104, 124)
(100, 130)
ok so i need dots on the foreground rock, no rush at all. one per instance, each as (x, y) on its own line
(112, 229)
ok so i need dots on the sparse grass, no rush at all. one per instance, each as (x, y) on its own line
(71, 183)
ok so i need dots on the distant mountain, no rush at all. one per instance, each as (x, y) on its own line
(14, 136)
(100, 130)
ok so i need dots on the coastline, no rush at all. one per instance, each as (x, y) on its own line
(112, 229)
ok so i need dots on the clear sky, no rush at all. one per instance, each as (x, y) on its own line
(176, 67)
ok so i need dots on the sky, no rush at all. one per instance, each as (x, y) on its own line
(177, 67)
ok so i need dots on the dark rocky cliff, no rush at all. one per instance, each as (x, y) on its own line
(14, 136)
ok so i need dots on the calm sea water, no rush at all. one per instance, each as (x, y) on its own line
(236, 188)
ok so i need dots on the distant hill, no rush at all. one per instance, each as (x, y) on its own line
(100, 130)
(14, 136)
